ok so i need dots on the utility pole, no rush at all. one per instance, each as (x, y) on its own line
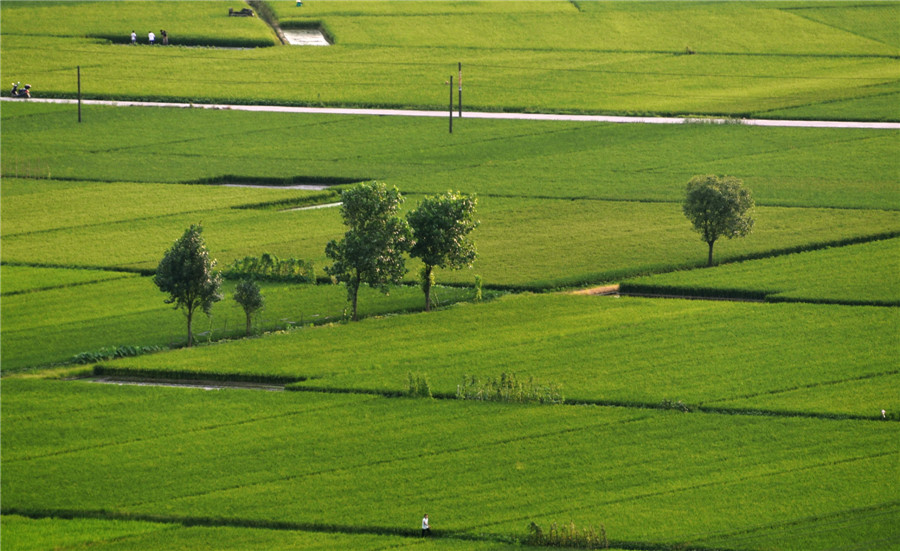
(79, 93)
(451, 104)
(460, 89)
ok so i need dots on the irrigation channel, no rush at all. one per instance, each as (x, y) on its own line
(480, 114)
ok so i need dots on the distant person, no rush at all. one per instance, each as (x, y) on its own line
(425, 528)
(152, 38)
(165, 37)
(133, 38)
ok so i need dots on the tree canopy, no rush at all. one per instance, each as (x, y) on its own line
(718, 206)
(441, 226)
(248, 295)
(186, 274)
(371, 250)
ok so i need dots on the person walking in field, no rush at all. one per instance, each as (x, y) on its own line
(133, 38)
(151, 37)
(165, 37)
(426, 530)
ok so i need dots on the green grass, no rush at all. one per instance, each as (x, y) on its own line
(865, 273)
(597, 349)
(373, 464)
(782, 166)
(27, 534)
(53, 325)
(614, 57)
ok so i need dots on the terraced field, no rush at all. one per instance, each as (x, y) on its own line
(686, 424)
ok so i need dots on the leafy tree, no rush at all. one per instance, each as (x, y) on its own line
(186, 274)
(718, 206)
(371, 251)
(247, 294)
(441, 227)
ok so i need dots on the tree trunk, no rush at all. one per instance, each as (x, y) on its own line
(710, 262)
(355, 282)
(190, 316)
(427, 285)
(248, 323)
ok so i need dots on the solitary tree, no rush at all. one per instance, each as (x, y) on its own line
(718, 206)
(371, 251)
(186, 274)
(247, 294)
(441, 227)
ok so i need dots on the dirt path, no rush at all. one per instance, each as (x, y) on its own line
(482, 115)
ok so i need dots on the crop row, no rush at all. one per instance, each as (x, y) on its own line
(782, 166)
(378, 464)
(627, 351)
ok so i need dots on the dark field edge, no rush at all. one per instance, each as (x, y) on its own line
(149, 375)
(746, 295)
(296, 384)
(188, 40)
(215, 522)
(121, 269)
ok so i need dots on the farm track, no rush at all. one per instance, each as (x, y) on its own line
(482, 115)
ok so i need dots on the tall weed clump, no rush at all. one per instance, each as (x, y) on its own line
(113, 352)
(567, 536)
(508, 388)
(417, 386)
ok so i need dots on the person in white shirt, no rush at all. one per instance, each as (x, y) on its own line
(425, 528)
(133, 37)
(152, 38)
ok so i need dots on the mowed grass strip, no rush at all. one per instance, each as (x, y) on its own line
(625, 351)
(53, 325)
(855, 274)
(782, 166)
(369, 464)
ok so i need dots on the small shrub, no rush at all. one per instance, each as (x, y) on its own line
(478, 285)
(679, 405)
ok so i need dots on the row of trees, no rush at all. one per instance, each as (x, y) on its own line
(436, 232)
(371, 251)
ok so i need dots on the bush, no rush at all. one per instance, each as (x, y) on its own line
(269, 267)
(113, 352)
(508, 388)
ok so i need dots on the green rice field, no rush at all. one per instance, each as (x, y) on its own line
(757, 412)
(737, 59)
